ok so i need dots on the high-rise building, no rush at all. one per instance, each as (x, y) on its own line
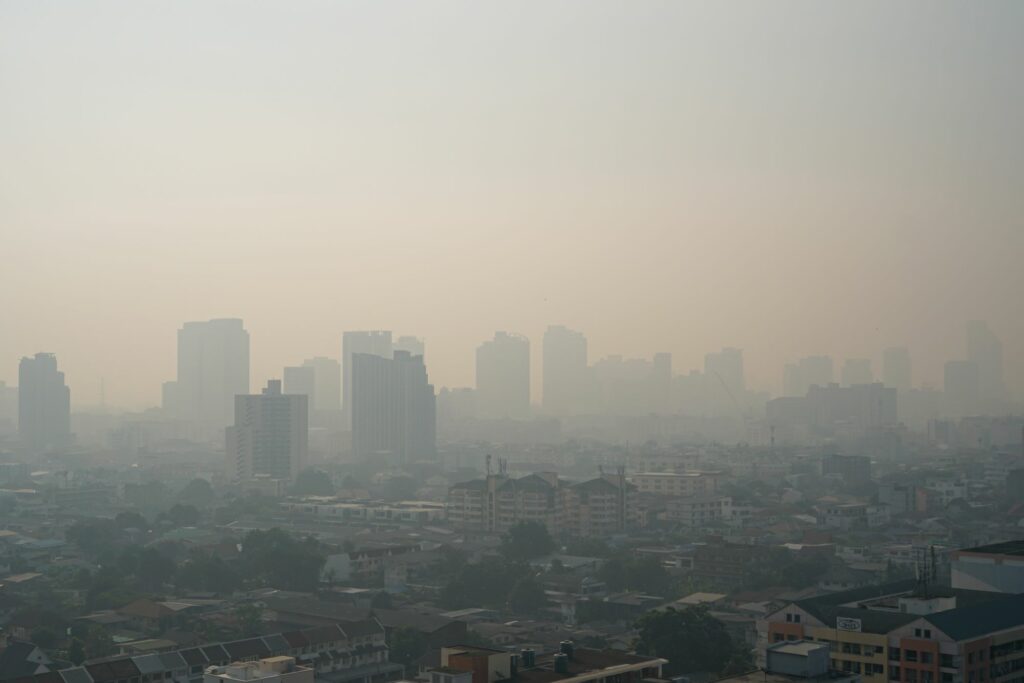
(213, 368)
(8, 409)
(327, 381)
(301, 380)
(503, 377)
(986, 351)
(376, 343)
(565, 371)
(44, 403)
(726, 367)
(270, 436)
(962, 387)
(414, 346)
(857, 371)
(808, 372)
(394, 411)
(896, 368)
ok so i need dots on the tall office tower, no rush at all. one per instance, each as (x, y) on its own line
(985, 350)
(270, 437)
(857, 371)
(327, 372)
(213, 368)
(726, 367)
(503, 377)
(412, 345)
(301, 380)
(896, 369)
(376, 343)
(44, 403)
(565, 371)
(394, 411)
(962, 387)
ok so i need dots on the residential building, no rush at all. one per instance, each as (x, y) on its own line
(849, 469)
(570, 664)
(503, 377)
(998, 567)
(213, 368)
(327, 382)
(280, 669)
(374, 343)
(677, 484)
(300, 380)
(565, 371)
(596, 507)
(349, 652)
(852, 516)
(44, 404)
(414, 346)
(698, 511)
(270, 437)
(394, 412)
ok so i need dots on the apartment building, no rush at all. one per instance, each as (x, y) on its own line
(351, 652)
(697, 511)
(279, 669)
(677, 484)
(596, 507)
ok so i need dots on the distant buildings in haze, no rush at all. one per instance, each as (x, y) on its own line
(44, 404)
(503, 377)
(213, 368)
(566, 374)
(394, 412)
(270, 435)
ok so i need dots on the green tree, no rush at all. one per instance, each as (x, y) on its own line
(407, 646)
(199, 493)
(76, 652)
(249, 618)
(98, 642)
(526, 541)
(44, 638)
(180, 516)
(690, 639)
(527, 596)
(313, 482)
(275, 558)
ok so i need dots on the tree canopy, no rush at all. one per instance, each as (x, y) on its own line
(526, 541)
(691, 639)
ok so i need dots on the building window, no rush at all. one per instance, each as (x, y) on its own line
(910, 656)
(926, 657)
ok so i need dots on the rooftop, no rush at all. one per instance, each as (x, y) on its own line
(1005, 548)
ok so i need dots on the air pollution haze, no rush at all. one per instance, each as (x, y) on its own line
(791, 179)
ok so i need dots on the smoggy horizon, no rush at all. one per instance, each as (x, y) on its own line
(790, 180)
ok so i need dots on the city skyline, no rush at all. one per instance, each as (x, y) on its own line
(389, 342)
(679, 196)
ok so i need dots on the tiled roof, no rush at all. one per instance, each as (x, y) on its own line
(242, 649)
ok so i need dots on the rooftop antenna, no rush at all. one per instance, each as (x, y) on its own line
(488, 464)
(103, 395)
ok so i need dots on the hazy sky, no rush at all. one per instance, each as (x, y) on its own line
(786, 177)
